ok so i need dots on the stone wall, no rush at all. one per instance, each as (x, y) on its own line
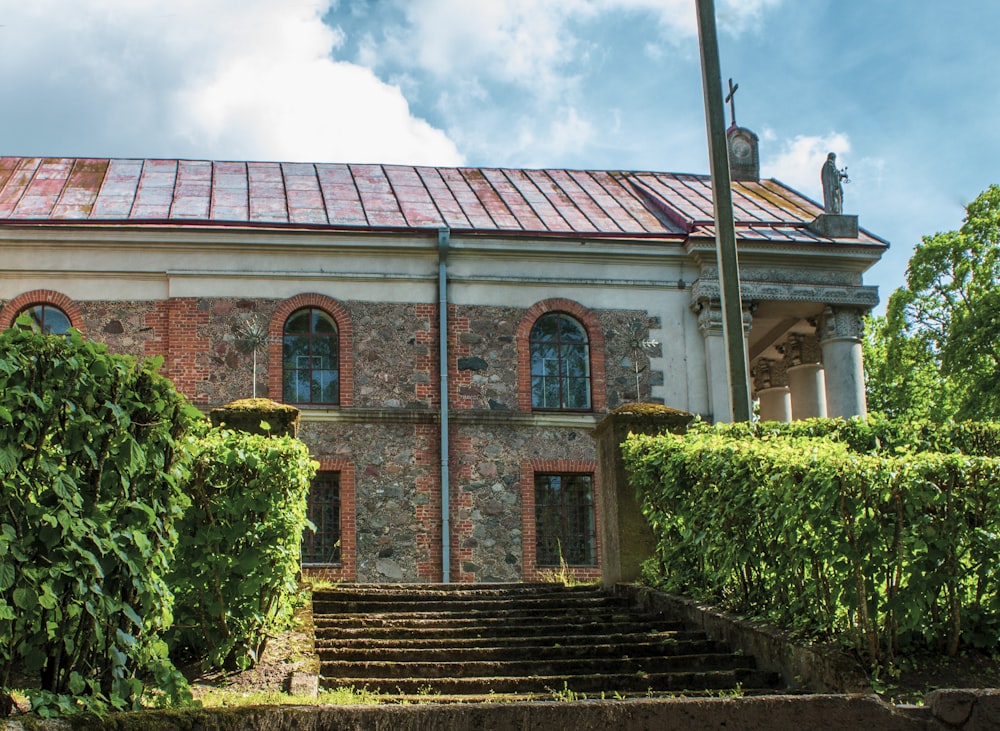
(395, 494)
(490, 474)
(388, 433)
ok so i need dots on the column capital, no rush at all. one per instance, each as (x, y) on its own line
(801, 349)
(842, 323)
(769, 373)
(709, 314)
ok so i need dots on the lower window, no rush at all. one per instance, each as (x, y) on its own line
(565, 527)
(322, 546)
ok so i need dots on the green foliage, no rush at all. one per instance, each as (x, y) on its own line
(903, 377)
(843, 532)
(944, 325)
(235, 579)
(91, 478)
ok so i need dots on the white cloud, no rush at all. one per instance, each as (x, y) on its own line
(531, 42)
(216, 78)
(801, 158)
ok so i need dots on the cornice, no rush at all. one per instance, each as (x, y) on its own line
(865, 297)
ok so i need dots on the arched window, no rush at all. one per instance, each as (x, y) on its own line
(310, 358)
(48, 319)
(560, 363)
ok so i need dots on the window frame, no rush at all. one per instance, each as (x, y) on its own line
(595, 339)
(309, 535)
(42, 297)
(311, 337)
(40, 322)
(563, 508)
(564, 379)
(342, 319)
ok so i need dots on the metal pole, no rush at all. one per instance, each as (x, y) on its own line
(725, 228)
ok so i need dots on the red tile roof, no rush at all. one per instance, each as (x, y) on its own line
(479, 200)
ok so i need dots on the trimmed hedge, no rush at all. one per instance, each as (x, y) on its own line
(236, 577)
(848, 535)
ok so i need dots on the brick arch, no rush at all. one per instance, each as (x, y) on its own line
(345, 339)
(69, 308)
(595, 338)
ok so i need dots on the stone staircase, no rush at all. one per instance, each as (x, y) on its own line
(534, 640)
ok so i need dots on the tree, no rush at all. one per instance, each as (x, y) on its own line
(902, 376)
(941, 334)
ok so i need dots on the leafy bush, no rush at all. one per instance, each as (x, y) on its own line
(239, 553)
(877, 434)
(891, 550)
(91, 477)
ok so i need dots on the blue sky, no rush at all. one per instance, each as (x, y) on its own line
(902, 91)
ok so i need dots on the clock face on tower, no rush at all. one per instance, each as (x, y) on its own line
(743, 160)
(740, 148)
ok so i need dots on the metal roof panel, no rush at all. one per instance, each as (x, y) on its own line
(486, 200)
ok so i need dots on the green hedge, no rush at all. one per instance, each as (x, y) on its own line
(876, 434)
(890, 549)
(236, 576)
(91, 477)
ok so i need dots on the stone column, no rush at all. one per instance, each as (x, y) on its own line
(770, 382)
(806, 383)
(841, 330)
(626, 538)
(717, 358)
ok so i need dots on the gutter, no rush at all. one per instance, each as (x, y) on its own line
(444, 242)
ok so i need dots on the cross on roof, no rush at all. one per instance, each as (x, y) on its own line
(732, 102)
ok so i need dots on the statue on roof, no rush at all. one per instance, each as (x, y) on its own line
(833, 192)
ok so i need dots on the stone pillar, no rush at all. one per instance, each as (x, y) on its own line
(770, 382)
(717, 358)
(626, 538)
(841, 330)
(806, 383)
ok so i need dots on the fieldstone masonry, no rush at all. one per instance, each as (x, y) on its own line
(387, 427)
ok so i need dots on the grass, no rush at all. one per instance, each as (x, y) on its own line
(222, 697)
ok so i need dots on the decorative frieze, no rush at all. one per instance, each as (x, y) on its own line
(791, 291)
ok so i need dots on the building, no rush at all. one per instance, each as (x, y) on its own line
(550, 285)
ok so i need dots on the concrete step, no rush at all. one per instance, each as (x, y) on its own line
(739, 680)
(488, 650)
(514, 639)
(488, 630)
(468, 604)
(364, 642)
(534, 667)
(433, 592)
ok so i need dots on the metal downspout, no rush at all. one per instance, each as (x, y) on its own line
(444, 241)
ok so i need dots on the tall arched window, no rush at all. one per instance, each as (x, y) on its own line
(560, 363)
(310, 358)
(48, 319)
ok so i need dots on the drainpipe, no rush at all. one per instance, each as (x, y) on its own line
(444, 241)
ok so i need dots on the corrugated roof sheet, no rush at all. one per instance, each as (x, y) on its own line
(480, 200)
